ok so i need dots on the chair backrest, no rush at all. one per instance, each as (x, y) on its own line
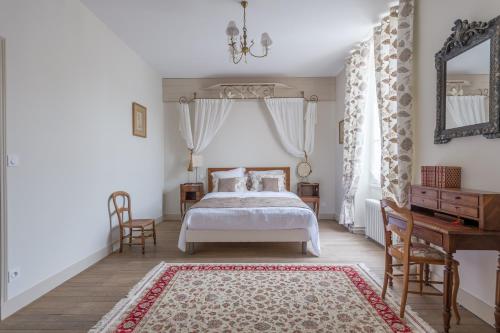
(402, 227)
(121, 201)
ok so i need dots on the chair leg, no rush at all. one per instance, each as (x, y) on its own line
(143, 241)
(421, 278)
(388, 262)
(456, 285)
(390, 269)
(427, 274)
(154, 233)
(130, 237)
(404, 295)
(121, 240)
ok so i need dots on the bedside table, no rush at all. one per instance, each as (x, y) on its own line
(190, 193)
(309, 193)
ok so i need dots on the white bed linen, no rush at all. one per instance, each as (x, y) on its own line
(267, 218)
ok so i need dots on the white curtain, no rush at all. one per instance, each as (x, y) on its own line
(296, 131)
(466, 110)
(209, 115)
(185, 125)
(311, 119)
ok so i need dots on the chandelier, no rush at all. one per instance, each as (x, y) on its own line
(240, 52)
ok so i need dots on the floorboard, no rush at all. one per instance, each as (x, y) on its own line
(79, 303)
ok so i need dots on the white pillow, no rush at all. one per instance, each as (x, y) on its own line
(234, 173)
(257, 181)
(267, 172)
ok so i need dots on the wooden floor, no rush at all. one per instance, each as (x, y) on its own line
(78, 304)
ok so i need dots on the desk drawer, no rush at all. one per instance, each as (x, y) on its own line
(459, 210)
(426, 234)
(431, 236)
(424, 202)
(424, 192)
(192, 188)
(460, 199)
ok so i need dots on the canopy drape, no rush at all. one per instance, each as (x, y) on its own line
(209, 116)
(295, 130)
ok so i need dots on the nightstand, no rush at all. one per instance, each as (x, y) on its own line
(309, 193)
(190, 193)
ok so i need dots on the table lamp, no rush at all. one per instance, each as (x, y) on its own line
(197, 161)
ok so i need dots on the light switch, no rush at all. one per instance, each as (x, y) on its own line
(12, 160)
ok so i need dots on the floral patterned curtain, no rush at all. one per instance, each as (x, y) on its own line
(393, 43)
(355, 100)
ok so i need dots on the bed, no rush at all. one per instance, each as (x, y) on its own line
(265, 217)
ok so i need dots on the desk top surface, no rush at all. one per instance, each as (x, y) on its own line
(444, 226)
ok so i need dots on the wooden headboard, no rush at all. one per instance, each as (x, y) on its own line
(286, 171)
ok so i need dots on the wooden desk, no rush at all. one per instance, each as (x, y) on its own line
(453, 238)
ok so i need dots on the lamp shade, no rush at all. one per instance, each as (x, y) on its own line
(266, 40)
(232, 30)
(197, 161)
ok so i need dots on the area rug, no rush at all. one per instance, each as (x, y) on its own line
(257, 298)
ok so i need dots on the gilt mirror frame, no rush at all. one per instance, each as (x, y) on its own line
(465, 36)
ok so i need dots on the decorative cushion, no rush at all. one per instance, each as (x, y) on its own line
(421, 251)
(235, 184)
(256, 181)
(270, 184)
(227, 185)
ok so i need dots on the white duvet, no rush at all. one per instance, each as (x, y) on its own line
(267, 218)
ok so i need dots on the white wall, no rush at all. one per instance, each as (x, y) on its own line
(477, 156)
(248, 138)
(70, 86)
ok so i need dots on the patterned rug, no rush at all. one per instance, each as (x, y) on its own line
(257, 298)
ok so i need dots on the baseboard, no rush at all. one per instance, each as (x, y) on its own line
(20, 301)
(330, 216)
(470, 302)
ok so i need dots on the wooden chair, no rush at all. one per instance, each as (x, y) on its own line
(146, 227)
(408, 253)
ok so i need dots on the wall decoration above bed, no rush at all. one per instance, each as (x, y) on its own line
(295, 121)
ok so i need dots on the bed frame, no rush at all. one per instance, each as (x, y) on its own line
(243, 236)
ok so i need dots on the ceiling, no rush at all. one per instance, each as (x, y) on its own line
(186, 38)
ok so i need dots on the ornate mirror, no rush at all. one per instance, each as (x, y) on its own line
(468, 82)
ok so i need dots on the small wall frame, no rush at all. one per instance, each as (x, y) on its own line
(139, 120)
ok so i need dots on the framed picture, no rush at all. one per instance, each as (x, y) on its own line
(139, 120)
(341, 132)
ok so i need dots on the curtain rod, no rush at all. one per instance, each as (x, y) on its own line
(312, 98)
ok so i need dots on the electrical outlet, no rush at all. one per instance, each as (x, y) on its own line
(12, 160)
(14, 274)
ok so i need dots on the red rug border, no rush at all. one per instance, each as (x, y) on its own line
(134, 317)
